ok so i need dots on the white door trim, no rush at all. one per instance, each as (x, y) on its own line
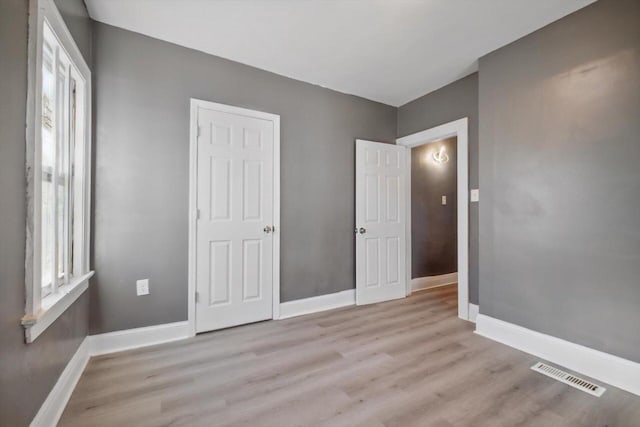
(460, 129)
(193, 211)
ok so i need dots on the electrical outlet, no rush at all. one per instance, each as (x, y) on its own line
(444, 200)
(475, 195)
(142, 287)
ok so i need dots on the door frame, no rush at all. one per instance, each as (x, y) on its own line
(193, 207)
(459, 129)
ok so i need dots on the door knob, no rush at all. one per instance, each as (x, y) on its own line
(268, 229)
(362, 230)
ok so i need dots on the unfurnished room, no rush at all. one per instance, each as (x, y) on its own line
(374, 213)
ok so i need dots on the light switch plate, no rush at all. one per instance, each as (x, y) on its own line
(475, 195)
(142, 287)
(444, 200)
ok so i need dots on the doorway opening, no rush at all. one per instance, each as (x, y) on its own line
(434, 252)
(435, 150)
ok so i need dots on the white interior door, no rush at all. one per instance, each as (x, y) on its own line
(380, 222)
(234, 235)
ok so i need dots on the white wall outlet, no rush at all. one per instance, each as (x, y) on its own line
(142, 287)
(444, 200)
(475, 195)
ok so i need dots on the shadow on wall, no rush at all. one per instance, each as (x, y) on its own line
(434, 248)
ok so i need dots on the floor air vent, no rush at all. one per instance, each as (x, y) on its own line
(566, 378)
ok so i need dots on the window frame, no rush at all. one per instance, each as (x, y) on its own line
(41, 311)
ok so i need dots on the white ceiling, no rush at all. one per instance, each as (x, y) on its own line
(391, 51)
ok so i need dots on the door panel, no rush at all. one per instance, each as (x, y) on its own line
(251, 269)
(372, 247)
(220, 199)
(371, 198)
(234, 262)
(252, 191)
(219, 279)
(393, 260)
(380, 222)
(393, 198)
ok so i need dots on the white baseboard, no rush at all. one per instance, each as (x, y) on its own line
(316, 304)
(53, 406)
(94, 345)
(128, 339)
(614, 370)
(473, 312)
(427, 282)
(111, 342)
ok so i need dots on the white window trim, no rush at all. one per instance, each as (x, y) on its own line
(42, 312)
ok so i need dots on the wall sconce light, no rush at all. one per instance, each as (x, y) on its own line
(440, 156)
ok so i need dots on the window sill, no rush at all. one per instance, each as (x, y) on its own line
(53, 306)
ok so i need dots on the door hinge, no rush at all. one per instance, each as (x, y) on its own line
(197, 296)
(197, 213)
(199, 131)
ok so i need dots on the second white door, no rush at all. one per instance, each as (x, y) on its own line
(235, 226)
(380, 222)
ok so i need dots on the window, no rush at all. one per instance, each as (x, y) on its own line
(58, 170)
(58, 134)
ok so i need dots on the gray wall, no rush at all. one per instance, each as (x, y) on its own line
(142, 92)
(434, 246)
(452, 102)
(560, 174)
(76, 17)
(27, 372)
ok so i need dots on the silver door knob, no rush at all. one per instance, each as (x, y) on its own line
(362, 230)
(268, 229)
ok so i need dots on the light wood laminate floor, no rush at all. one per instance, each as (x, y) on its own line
(408, 362)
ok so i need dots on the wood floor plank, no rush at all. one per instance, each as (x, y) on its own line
(408, 362)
